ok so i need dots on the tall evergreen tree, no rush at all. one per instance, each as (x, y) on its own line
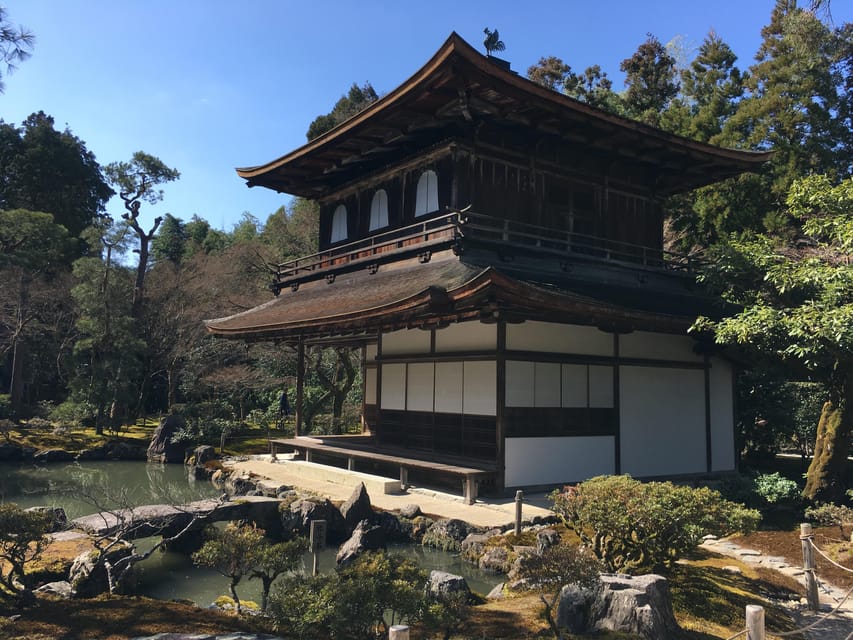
(651, 80)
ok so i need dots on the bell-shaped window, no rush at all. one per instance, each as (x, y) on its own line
(379, 210)
(339, 224)
(426, 200)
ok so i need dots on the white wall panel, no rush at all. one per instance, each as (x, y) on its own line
(662, 416)
(419, 386)
(600, 387)
(722, 416)
(370, 352)
(554, 461)
(406, 341)
(448, 387)
(574, 392)
(467, 336)
(558, 338)
(480, 382)
(547, 392)
(370, 385)
(659, 346)
(393, 386)
(520, 383)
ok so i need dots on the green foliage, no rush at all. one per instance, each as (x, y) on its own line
(16, 43)
(42, 169)
(242, 550)
(650, 77)
(634, 526)
(74, 414)
(830, 514)
(775, 488)
(356, 603)
(138, 179)
(357, 99)
(22, 540)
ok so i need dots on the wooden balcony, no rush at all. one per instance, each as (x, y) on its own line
(459, 230)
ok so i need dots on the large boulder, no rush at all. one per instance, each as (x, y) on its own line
(639, 605)
(357, 508)
(447, 534)
(365, 537)
(161, 448)
(395, 530)
(442, 584)
(495, 560)
(296, 518)
(60, 589)
(474, 545)
(87, 575)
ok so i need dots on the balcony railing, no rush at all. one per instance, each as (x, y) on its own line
(461, 228)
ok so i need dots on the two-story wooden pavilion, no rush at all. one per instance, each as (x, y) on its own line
(496, 248)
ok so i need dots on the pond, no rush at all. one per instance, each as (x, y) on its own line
(79, 487)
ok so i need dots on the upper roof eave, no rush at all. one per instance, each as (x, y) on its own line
(454, 49)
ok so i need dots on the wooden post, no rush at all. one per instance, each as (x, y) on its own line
(404, 478)
(398, 632)
(300, 388)
(317, 540)
(519, 498)
(754, 622)
(808, 566)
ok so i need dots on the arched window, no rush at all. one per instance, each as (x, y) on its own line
(427, 197)
(379, 210)
(339, 224)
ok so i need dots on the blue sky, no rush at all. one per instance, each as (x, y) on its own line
(209, 85)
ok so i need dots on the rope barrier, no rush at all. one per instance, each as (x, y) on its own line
(828, 559)
(738, 634)
(819, 620)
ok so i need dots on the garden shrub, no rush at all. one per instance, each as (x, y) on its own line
(361, 601)
(774, 488)
(73, 414)
(23, 538)
(634, 526)
(831, 515)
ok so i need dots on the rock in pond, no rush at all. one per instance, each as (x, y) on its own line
(161, 447)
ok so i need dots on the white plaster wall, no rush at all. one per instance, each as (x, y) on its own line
(370, 352)
(662, 415)
(600, 387)
(574, 392)
(558, 338)
(547, 391)
(405, 341)
(479, 388)
(394, 386)
(551, 461)
(448, 387)
(370, 385)
(467, 336)
(419, 386)
(659, 346)
(722, 416)
(520, 383)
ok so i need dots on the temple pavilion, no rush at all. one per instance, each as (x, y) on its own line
(496, 251)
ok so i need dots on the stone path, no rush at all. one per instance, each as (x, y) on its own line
(837, 627)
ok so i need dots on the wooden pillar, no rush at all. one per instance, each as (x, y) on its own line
(708, 440)
(300, 388)
(812, 597)
(617, 440)
(755, 622)
(500, 402)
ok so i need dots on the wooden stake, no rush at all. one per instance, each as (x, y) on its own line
(754, 622)
(808, 566)
(398, 632)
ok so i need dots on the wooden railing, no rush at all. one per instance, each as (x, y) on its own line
(466, 227)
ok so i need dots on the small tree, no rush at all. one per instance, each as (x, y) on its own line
(273, 560)
(637, 526)
(231, 552)
(22, 540)
(555, 567)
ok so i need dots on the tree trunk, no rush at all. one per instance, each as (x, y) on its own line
(825, 477)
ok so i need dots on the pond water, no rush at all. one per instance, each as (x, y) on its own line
(79, 487)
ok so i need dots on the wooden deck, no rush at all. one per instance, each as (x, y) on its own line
(359, 448)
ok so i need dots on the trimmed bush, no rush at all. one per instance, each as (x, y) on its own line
(634, 526)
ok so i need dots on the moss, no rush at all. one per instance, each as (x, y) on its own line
(226, 602)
